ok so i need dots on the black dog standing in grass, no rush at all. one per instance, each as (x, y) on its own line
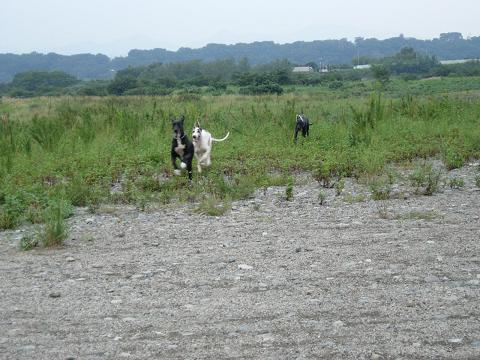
(182, 148)
(303, 125)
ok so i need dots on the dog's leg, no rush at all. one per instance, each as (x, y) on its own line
(176, 171)
(189, 169)
(296, 134)
(205, 158)
(199, 168)
(209, 161)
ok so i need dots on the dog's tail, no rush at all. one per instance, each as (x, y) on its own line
(218, 140)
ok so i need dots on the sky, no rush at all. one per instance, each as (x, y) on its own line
(113, 27)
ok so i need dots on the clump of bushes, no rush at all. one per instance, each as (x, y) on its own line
(425, 179)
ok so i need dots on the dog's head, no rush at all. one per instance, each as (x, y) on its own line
(300, 119)
(197, 131)
(177, 125)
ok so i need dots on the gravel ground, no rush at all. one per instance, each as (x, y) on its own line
(271, 279)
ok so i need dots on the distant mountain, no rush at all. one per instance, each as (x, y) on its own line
(447, 46)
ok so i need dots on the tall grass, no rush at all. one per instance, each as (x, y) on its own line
(81, 147)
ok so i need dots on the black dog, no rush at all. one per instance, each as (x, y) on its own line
(302, 124)
(182, 148)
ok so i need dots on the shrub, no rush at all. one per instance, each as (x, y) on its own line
(426, 178)
(11, 212)
(453, 159)
(55, 229)
(339, 186)
(456, 183)
(289, 192)
(380, 189)
(213, 207)
(322, 196)
(28, 242)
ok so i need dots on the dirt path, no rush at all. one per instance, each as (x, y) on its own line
(271, 279)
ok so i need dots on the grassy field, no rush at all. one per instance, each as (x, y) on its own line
(71, 151)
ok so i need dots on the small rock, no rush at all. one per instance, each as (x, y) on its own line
(116, 301)
(264, 234)
(455, 340)
(54, 295)
(474, 282)
(27, 348)
(476, 344)
(245, 267)
(121, 235)
(375, 356)
(117, 338)
(231, 260)
(338, 323)
(128, 319)
(298, 249)
(70, 259)
(431, 278)
(90, 220)
(243, 329)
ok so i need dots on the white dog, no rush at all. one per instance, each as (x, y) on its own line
(202, 143)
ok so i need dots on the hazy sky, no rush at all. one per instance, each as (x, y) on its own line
(113, 27)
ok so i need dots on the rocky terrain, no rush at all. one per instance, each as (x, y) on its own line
(272, 279)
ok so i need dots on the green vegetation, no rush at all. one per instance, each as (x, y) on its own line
(425, 179)
(55, 229)
(189, 79)
(289, 191)
(80, 149)
(456, 183)
(88, 66)
(322, 196)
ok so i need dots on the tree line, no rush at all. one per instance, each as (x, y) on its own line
(89, 67)
(230, 76)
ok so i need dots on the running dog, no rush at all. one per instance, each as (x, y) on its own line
(181, 148)
(302, 124)
(202, 143)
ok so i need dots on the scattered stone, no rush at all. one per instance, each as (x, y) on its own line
(54, 295)
(70, 259)
(116, 301)
(231, 260)
(455, 340)
(90, 221)
(28, 348)
(243, 329)
(245, 267)
(476, 344)
(298, 249)
(338, 323)
(431, 278)
(121, 235)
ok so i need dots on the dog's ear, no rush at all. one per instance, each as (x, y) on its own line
(197, 124)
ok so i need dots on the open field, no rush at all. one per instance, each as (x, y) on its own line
(78, 151)
(361, 242)
(271, 279)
